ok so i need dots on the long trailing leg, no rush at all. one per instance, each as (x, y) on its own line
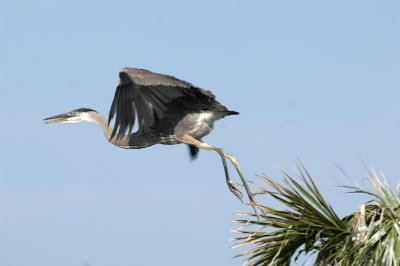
(235, 163)
(232, 186)
(250, 194)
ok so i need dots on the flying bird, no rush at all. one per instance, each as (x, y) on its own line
(163, 110)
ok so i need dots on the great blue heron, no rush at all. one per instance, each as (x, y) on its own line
(168, 111)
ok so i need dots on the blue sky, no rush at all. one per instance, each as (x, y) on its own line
(313, 80)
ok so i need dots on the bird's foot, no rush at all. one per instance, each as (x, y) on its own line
(234, 188)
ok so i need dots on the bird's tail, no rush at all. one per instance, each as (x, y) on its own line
(232, 113)
(223, 113)
(228, 112)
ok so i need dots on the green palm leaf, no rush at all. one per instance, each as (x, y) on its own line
(308, 224)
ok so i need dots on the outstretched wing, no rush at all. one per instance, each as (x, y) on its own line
(147, 96)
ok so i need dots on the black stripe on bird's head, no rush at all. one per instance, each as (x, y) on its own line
(75, 116)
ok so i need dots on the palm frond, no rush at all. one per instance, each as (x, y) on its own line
(308, 224)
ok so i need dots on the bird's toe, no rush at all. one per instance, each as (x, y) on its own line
(235, 189)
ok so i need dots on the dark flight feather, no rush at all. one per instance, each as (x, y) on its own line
(148, 96)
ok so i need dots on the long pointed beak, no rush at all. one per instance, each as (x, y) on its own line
(57, 118)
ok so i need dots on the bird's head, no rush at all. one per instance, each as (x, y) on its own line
(75, 116)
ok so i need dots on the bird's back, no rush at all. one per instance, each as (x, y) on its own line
(163, 104)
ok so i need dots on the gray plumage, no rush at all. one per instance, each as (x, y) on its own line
(165, 110)
(164, 106)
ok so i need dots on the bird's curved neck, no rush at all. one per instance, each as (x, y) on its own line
(132, 141)
(100, 120)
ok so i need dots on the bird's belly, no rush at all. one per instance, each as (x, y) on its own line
(200, 131)
(197, 125)
(168, 140)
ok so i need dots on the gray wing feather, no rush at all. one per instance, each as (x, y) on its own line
(147, 78)
(147, 96)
